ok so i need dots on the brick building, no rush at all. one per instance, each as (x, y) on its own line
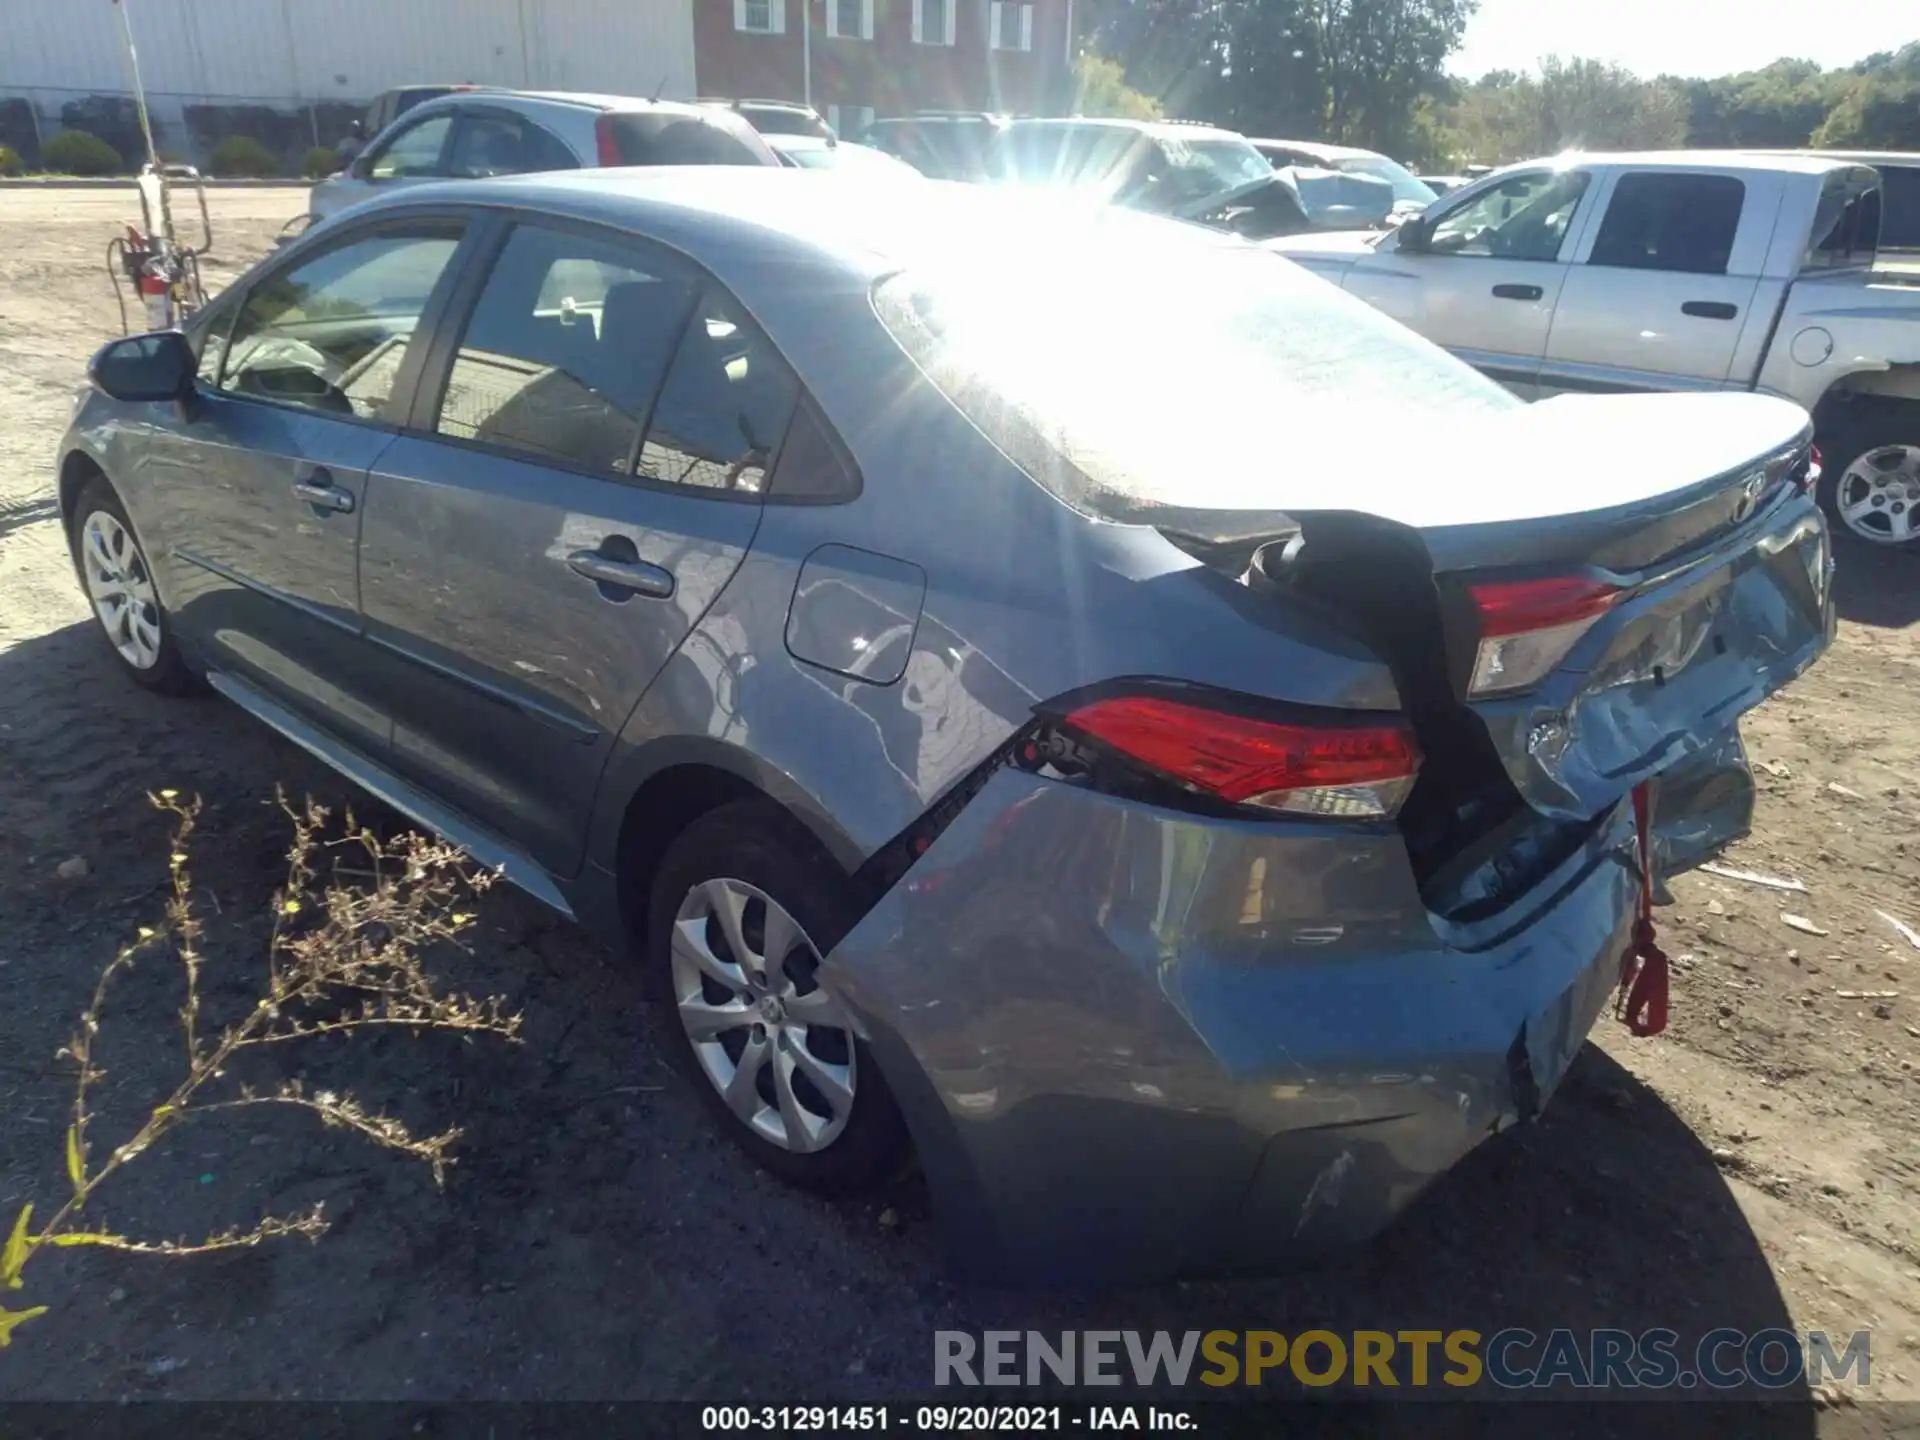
(858, 59)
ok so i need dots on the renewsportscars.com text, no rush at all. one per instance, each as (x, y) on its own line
(1510, 1359)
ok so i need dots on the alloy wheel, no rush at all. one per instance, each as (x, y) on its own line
(1878, 498)
(774, 1043)
(121, 588)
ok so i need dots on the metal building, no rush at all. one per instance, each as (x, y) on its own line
(314, 56)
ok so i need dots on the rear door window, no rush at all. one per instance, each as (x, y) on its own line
(487, 143)
(330, 332)
(565, 349)
(414, 152)
(1671, 221)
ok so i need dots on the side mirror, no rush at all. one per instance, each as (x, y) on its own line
(1416, 234)
(159, 366)
(360, 168)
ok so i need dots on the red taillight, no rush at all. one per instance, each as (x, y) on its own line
(1528, 626)
(606, 143)
(1810, 472)
(1509, 607)
(1357, 770)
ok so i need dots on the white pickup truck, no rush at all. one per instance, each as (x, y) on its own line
(1710, 270)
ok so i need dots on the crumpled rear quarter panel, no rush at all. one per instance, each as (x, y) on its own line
(1132, 1043)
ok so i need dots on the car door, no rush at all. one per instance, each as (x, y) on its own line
(412, 152)
(582, 477)
(1663, 288)
(265, 469)
(1482, 277)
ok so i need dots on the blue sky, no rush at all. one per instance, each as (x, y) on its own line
(1686, 37)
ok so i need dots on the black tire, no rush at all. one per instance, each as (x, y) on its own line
(169, 674)
(759, 844)
(1866, 426)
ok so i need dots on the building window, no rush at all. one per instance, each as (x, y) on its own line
(850, 19)
(1010, 26)
(760, 17)
(849, 122)
(933, 21)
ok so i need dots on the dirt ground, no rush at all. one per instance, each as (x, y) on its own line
(1759, 1165)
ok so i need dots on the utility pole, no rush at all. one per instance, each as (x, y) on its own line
(806, 51)
(139, 89)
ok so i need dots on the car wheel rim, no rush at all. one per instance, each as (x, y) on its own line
(121, 588)
(774, 1042)
(1879, 494)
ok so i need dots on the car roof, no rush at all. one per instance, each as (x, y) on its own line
(1777, 162)
(1160, 129)
(764, 227)
(580, 99)
(1322, 149)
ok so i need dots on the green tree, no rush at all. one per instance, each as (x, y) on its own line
(1100, 88)
(1377, 59)
(1876, 114)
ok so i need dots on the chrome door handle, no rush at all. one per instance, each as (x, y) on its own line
(635, 576)
(325, 494)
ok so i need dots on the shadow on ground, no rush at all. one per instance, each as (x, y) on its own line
(595, 1239)
(1875, 584)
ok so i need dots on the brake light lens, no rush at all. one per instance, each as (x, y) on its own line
(1810, 472)
(1528, 626)
(606, 143)
(1353, 772)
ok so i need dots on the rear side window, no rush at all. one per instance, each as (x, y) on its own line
(679, 139)
(1900, 199)
(564, 350)
(329, 333)
(1678, 222)
(724, 408)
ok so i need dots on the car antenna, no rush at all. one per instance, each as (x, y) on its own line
(654, 98)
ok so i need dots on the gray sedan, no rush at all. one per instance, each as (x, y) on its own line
(990, 661)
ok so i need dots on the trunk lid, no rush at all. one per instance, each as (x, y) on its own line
(1688, 516)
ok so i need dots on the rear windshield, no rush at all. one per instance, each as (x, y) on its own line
(671, 138)
(1147, 370)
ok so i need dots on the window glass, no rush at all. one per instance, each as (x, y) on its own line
(724, 408)
(1524, 218)
(330, 332)
(413, 152)
(488, 145)
(212, 341)
(1670, 221)
(564, 349)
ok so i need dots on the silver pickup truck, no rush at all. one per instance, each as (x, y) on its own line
(1710, 270)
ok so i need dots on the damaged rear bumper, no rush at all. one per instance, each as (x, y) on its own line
(1132, 1043)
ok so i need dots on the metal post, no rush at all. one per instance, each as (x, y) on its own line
(139, 89)
(806, 51)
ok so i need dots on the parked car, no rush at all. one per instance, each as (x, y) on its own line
(809, 152)
(1442, 184)
(874, 619)
(942, 145)
(480, 134)
(1175, 168)
(1674, 271)
(1410, 194)
(777, 117)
